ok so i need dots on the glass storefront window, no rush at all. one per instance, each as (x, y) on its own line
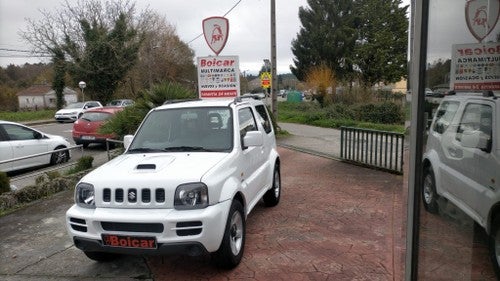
(455, 189)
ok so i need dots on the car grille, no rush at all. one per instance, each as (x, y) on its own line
(132, 227)
(134, 196)
(78, 224)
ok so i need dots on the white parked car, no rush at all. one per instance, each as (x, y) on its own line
(462, 162)
(186, 183)
(74, 110)
(17, 140)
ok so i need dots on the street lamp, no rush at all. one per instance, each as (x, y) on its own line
(82, 86)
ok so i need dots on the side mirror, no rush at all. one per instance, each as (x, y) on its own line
(253, 138)
(127, 140)
(37, 135)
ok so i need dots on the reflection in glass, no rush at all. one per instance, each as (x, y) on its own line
(459, 164)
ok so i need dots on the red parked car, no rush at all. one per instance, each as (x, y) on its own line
(85, 129)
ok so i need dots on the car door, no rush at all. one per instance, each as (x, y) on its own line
(477, 165)
(6, 151)
(251, 156)
(25, 142)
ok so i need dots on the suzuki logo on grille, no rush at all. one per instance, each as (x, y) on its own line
(131, 195)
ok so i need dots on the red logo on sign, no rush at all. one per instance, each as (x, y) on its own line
(481, 17)
(216, 30)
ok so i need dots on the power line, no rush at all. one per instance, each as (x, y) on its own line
(229, 11)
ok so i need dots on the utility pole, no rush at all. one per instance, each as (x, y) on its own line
(274, 77)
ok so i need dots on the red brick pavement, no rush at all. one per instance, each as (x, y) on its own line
(335, 221)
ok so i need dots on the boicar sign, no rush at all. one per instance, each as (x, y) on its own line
(219, 76)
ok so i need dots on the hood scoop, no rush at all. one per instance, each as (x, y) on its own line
(146, 167)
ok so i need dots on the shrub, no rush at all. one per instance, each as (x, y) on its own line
(4, 183)
(382, 113)
(83, 164)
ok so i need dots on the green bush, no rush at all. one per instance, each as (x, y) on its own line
(382, 113)
(4, 183)
(83, 164)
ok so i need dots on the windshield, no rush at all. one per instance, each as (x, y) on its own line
(185, 129)
(75, 105)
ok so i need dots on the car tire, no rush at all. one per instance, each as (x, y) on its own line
(429, 194)
(272, 196)
(101, 256)
(231, 249)
(494, 245)
(59, 157)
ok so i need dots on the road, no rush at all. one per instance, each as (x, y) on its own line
(27, 177)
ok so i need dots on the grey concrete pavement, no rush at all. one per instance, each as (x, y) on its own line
(314, 140)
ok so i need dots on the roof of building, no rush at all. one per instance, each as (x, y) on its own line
(41, 90)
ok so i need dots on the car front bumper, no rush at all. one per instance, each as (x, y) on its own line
(191, 232)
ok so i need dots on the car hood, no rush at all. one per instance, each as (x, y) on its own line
(155, 168)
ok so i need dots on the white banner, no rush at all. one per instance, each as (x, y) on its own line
(218, 77)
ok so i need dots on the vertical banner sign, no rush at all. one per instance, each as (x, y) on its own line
(216, 31)
(218, 77)
(475, 67)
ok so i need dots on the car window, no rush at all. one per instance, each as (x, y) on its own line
(444, 116)
(18, 133)
(264, 118)
(96, 116)
(247, 121)
(477, 118)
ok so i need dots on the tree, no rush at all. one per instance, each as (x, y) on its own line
(58, 82)
(364, 39)
(100, 42)
(327, 37)
(380, 53)
(322, 80)
(162, 57)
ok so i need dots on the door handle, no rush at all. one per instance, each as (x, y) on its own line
(455, 152)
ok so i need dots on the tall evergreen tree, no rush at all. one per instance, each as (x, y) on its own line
(327, 37)
(58, 82)
(108, 56)
(364, 39)
(381, 48)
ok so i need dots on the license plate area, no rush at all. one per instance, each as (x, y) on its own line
(125, 241)
(88, 138)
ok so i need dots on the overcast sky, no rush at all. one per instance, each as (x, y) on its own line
(249, 27)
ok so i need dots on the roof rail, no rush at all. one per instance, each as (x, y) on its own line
(179, 100)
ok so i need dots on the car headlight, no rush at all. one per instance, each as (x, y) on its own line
(85, 195)
(191, 196)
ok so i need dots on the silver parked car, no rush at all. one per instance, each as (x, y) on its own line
(17, 140)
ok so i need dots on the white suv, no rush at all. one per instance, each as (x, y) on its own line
(186, 183)
(462, 161)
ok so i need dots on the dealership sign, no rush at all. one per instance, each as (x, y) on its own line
(216, 30)
(218, 77)
(475, 67)
(481, 17)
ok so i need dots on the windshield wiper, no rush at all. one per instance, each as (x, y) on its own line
(186, 148)
(144, 149)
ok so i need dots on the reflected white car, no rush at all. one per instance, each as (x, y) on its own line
(74, 110)
(17, 140)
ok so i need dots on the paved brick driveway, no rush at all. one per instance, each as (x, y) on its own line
(335, 221)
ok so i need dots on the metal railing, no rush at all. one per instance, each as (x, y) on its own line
(42, 154)
(373, 148)
(108, 146)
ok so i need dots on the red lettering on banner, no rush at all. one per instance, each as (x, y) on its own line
(216, 62)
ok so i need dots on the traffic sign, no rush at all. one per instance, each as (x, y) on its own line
(265, 80)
